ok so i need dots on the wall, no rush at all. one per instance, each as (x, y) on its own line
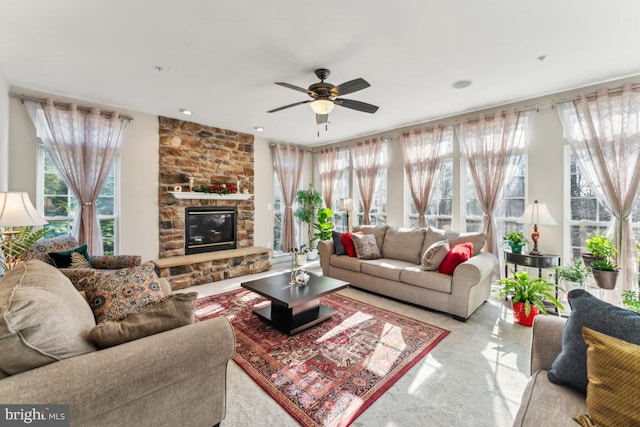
(210, 156)
(4, 133)
(138, 169)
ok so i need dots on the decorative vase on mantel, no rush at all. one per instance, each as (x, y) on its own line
(516, 248)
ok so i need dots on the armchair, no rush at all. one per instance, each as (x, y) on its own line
(40, 251)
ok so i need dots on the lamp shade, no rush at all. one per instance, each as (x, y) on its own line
(537, 213)
(321, 106)
(16, 210)
(346, 204)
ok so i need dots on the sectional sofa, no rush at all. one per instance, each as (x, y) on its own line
(399, 274)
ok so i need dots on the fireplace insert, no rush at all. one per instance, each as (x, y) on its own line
(210, 228)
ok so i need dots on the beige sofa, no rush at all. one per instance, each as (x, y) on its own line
(544, 403)
(398, 274)
(173, 378)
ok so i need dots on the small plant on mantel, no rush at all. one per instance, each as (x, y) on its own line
(216, 189)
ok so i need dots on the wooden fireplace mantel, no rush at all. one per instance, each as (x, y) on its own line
(209, 196)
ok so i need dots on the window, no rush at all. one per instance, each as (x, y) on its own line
(278, 213)
(58, 204)
(509, 209)
(378, 212)
(341, 192)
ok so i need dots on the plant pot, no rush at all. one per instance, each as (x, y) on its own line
(569, 285)
(301, 259)
(586, 259)
(605, 279)
(519, 316)
(312, 255)
(516, 248)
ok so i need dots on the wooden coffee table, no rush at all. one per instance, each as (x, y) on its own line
(294, 308)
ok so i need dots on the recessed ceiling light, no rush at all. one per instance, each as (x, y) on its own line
(259, 128)
(461, 84)
(541, 58)
(186, 112)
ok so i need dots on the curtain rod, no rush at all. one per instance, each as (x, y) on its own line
(612, 91)
(306, 150)
(23, 98)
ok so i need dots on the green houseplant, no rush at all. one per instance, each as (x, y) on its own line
(515, 240)
(309, 201)
(603, 267)
(16, 245)
(631, 300)
(528, 295)
(575, 273)
(324, 224)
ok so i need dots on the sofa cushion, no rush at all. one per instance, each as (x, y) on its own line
(384, 268)
(379, 231)
(43, 318)
(433, 280)
(116, 295)
(346, 262)
(349, 247)
(40, 249)
(171, 312)
(433, 235)
(613, 368)
(65, 259)
(337, 243)
(404, 244)
(456, 256)
(570, 367)
(366, 247)
(434, 255)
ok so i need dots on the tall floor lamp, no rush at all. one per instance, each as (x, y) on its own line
(16, 210)
(536, 214)
(346, 205)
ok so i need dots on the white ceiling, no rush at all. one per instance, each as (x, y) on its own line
(220, 58)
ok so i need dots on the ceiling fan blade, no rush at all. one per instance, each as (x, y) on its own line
(351, 86)
(322, 118)
(289, 106)
(298, 88)
(356, 105)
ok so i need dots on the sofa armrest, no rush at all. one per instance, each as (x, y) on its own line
(546, 341)
(474, 270)
(471, 284)
(162, 379)
(115, 262)
(325, 249)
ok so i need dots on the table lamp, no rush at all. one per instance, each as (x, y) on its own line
(16, 210)
(536, 214)
(346, 205)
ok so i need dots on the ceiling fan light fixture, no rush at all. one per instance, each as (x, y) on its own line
(322, 106)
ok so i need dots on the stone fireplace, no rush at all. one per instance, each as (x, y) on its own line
(207, 156)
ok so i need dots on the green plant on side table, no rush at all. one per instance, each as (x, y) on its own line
(516, 241)
(528, 295)
(574, 273)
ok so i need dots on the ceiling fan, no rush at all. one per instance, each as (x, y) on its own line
(325, 96)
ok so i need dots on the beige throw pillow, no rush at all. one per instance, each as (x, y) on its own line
(434, 255)
(170, 313)
(43, 318)
(366, 246)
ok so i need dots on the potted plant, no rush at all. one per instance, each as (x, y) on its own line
(16, 245)
(516, 241)
(309, 201)
(300, 255)
(527, 296)
(324, 224)
(602, 254)
(575, 274)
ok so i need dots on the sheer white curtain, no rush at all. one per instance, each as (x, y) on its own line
(83, 146)
(422, 150)
(489, 144)
(366, 162)
(329, 169)
(287, 161)
(603, 131)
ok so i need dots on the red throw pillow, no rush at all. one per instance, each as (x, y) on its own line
(348, 243)
(456, 256)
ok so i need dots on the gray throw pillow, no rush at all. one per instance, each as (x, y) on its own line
(337, 243)
(570, 367)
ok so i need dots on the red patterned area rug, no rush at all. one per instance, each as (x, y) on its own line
(329, 374)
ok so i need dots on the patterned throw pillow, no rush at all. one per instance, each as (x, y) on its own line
(434, 255)
(456, 256)
(613, 368)
(116, 295)
(366, 246)
(64, 259)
